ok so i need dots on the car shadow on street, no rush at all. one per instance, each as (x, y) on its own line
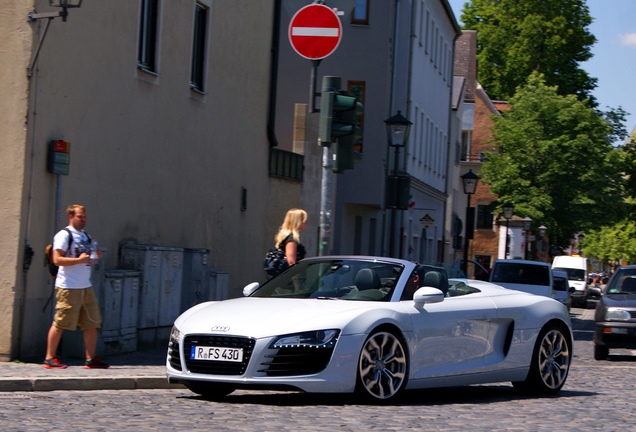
(481, 394)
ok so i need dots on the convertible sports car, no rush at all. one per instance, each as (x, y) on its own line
(370, 325)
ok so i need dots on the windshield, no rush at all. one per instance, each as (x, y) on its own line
(347, 279)
(623, 281)
(573, 274)
(520, 273)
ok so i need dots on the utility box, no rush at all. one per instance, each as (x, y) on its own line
(219, 283)
(161, 271)
(171, 283)
(111, 303)
(119, 305)
(195, 288)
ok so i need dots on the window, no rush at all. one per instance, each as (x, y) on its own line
(197, 77)
(148, 35)
(360, 13)
(357, 236)
(484, 216)
(372, 232)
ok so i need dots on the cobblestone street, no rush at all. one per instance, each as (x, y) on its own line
(597, 396)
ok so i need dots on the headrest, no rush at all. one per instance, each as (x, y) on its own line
(367, 279)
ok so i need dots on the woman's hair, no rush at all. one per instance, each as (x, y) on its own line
(293, 220)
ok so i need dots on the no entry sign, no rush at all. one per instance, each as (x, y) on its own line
(315, 31)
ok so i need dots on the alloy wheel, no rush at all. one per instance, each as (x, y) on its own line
(382, 366)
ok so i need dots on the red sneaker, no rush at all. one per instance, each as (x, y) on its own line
(53, 363)
(96, 363)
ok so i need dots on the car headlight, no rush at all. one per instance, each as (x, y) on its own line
(613, 314)
(311, 339)
(174, 336)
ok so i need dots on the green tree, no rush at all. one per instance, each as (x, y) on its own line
(554, 160)
(612, 243)
(517, 37)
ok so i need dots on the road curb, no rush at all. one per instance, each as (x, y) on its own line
(83, 383)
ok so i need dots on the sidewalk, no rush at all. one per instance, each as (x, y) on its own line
(138, 370)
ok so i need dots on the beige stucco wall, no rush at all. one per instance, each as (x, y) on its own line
(15, 44)
(153, 161)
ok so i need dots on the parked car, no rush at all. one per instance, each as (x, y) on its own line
(615, 318)
(370, 325)
(475, 270)
(534, 277)
(562, 288)
(577, 269)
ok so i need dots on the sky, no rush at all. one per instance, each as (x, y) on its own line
(614, 61)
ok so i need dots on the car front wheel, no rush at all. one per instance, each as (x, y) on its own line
(382, 367)
(550, 362)
(601, 352)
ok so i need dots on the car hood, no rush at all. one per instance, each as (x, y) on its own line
(620, 300)
(263, 317)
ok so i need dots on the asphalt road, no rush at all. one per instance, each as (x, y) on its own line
(597, 396)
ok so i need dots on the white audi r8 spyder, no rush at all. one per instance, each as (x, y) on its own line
(370, 325)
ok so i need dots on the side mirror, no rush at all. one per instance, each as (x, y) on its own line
(427, 295)
(249, 289)
(595, 291)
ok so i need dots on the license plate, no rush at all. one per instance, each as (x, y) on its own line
(619, 331)
(216, 354)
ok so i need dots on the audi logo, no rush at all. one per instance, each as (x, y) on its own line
(220, 329)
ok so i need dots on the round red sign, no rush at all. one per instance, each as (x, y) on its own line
(315, 31)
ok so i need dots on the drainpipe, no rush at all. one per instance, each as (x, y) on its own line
(273, 78)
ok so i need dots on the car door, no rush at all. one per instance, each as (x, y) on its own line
(451, 337)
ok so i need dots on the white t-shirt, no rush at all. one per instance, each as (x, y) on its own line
(78, 275)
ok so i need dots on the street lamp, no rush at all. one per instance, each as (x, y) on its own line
(542, 246)
(469, 182)
(508, 208)
(32, 16)
(579, 241)
(542, 231)
(64, 4)
(397, 187)
(527, 225)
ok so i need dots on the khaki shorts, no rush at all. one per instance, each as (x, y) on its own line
(76, 307)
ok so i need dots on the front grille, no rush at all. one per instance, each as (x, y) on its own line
(632, 314)
(211, 367)
(297, 361)
(173, 355)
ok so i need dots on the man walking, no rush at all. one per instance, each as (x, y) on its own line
(76, 302)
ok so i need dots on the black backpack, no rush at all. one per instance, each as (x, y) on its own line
(275, 262)
(48, 251)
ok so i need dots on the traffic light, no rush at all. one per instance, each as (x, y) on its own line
(339, 114)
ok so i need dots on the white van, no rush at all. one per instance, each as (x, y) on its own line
(530, 276)
(577, 269)
(562, 290)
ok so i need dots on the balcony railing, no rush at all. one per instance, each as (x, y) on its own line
(286, 164)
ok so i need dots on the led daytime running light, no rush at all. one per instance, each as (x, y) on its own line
(314, 339)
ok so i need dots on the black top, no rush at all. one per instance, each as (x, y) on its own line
(300, 249)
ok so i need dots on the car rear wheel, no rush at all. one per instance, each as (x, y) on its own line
(601, 352)
(382, 367)
(209, 390)
(550, 362)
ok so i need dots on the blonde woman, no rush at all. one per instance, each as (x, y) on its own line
(288, 237)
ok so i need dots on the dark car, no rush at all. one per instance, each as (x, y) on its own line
(615, 319)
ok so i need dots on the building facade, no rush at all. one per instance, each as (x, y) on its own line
(395, 56)
(166, 107)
